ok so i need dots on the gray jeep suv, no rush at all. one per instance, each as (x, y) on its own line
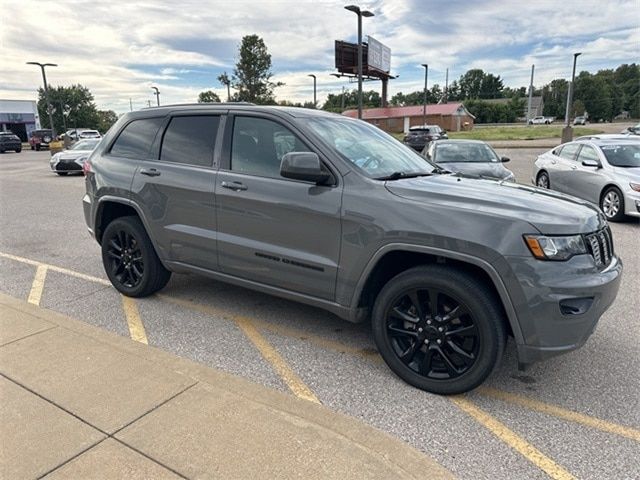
(333, 212)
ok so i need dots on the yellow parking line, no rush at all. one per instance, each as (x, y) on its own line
(279, 364)
(136, 327)
(513, 440)
(38, 285)
(562, 413)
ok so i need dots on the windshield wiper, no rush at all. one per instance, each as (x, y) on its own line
(399, 175)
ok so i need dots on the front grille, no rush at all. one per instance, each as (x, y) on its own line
(600, 246)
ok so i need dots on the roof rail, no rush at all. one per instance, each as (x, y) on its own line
(204, 104)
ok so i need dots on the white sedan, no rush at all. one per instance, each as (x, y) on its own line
(72, 160)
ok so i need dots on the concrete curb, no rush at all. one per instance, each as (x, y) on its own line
(286, 410)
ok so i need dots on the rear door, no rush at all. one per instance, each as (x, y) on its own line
(272, 230)
(561, 171)
(175, 190)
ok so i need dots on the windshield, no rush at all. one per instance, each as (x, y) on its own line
(465, 152)
(85, 145)
(627, 156)
(374, 152)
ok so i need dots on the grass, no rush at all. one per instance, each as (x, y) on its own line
(532, 132)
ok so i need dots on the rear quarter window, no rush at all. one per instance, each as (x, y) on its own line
(137, 137)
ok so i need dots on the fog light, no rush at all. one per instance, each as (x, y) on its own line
(638, 205)
(575, 306)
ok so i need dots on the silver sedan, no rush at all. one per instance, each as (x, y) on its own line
(603, 171)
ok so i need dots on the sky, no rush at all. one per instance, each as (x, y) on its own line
(119, 49)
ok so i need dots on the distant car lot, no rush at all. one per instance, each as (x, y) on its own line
(594, 432)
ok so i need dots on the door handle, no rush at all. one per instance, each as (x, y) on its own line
(150, 172)
(573, 167)
(236, 186)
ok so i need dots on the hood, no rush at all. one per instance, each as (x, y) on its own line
(480, 169)
(73, 154)
(549, 212)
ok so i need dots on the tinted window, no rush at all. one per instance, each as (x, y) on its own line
(259, 145)
(136, 138)
(569, 151)
(190, 140)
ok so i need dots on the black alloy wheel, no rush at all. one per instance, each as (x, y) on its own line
(130, 260)
(438, 328)
(543, 180)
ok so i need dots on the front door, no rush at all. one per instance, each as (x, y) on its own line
(587, 182)
(560, 174)
(273, 230)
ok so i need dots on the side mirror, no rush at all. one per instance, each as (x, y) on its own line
(505, 159)
(303, 166)
(591, 163)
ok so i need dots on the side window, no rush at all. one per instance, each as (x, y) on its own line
(588, 153)
(259, 144)
(190, 140)
(569, 151)
(136, 138)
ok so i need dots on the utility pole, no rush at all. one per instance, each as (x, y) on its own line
(530, 95)
(424, 108)
(314, 90)
(361, 13)
(46, 93)
(446, 87)
(157, 94)
(342, 99)
(64, 121)
(130, 105)
(567, 131)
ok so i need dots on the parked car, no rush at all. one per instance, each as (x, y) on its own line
(9, 141)
(580, 120)
(470, 157)
(418, 137)
(344, 217)
(603, 171)
(72, 160)
(89, 134)
(40, 138)
(604, 136)
(541, 120)
(634, 130)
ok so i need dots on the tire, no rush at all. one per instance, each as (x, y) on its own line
(420, 344)
(546, 122)
(612, 204)
(18, 150)
(32, 147)
(37, 147)
(542, 180)
(62, 174)
(129, 259)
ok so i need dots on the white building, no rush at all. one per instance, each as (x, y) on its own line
(20, 117)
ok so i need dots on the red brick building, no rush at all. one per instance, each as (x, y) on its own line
(450, 116)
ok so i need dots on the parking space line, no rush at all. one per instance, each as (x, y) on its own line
(560, 412)
(38, 285)
(136, 327)
(513, 440)
(279, 364)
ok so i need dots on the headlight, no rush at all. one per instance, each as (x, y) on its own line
(81, 160)
(635, 186)
(555, 248)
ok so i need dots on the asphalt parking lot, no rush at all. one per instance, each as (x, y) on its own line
(575, 416)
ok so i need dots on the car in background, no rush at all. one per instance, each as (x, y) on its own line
(10, 141)
(634, 130)
(603, 171)
(72, 160)
(580, 120)
(89, 134)
(40, 138)
(540, 120)
(419, 136)
(604, 136)
(470, 157)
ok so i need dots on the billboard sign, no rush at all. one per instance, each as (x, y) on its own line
(379, 56)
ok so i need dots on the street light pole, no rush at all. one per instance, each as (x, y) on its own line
(157, 94)
(46, 93)
(361, 13)
(424, 108)
(314, 89)
(570, 92)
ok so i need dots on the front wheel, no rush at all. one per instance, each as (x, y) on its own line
(129, 259)
(612, 204)
(439, 329)
(543, 180)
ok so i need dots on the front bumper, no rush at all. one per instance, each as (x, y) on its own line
(11, 146)
(632, 203)
(544, 294)
(62, 165)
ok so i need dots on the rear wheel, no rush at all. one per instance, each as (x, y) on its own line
(439, 329)
(37, 147)
(18, 150)
(543, 180)
(129, 259)
(612, 204)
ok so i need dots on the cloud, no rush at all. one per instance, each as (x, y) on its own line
(119, 49)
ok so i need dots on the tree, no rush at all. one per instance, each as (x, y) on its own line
(72, 106)
(224, 79)
(106, 118)
(208, 96)
(252, 74)
(370, 99)
(477, 84)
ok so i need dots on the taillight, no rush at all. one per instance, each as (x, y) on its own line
(86, 167)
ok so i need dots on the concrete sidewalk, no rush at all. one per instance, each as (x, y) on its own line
(79, 402)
